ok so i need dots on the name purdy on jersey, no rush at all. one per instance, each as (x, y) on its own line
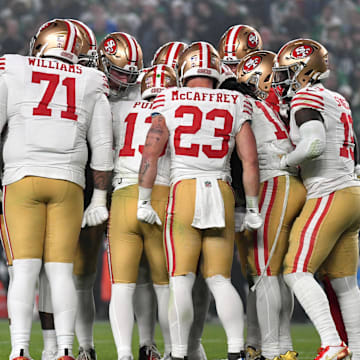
(131, 122)
(334, 168)
(202, 124)
(52, 109)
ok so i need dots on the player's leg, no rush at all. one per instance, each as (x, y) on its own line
(64, 216)
(341, 268)
(25, 225)
(125, 250)
(84, 276)
(46, 318)
(313, 236)
(6, 248)
(154, 249)
(183, 247)
(281, 199)
(218, 248)
(201, 301)
(145, 311)
(253, 337)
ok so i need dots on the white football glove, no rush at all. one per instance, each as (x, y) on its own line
(96, 212)
(253, 219)
(272, 161)
(146, 213)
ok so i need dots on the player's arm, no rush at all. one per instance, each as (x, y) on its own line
(312, 138)
(156, 140)
(100, 140)
(247, 152)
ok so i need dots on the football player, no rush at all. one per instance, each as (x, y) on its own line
(129, 238)
(325, 235)
(235, 43)
(282, 196)
(168, 54)
(200, 125)
(86, 254)
(51, 106)
(121, 59)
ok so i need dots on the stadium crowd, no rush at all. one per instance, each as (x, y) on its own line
(154, 22)
(214, 145)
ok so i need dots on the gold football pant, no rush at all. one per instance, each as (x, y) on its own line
(184, 243)
(5, 242)
(281, 200)
(326, 235)
(43, 218)
(128, 236)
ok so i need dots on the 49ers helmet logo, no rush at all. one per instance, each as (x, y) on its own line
(251, 64)
(253, 40)
(110, 46)
(302, 51)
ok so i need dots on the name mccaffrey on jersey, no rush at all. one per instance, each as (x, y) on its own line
(203, 96)
(58, 65)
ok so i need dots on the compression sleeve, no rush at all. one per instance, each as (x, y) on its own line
(311, 145)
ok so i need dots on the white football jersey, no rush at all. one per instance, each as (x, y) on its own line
(51, 109)
(131, 122)
(334, 169)
(202, 124)
(271, 137)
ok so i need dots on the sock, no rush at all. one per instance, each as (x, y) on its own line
(253, 330)
(268, 303)
(121, 315)
(145, 312)
(46, 314)
(230, 311)
(348, 295)
(287, 308)
(21, 302)
(64, 302)
(181, 313)
(201, 300)
(313, 300)
(162, 295)
(85, 315)
(11, 276)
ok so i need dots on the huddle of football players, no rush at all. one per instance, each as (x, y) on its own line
(200, 159)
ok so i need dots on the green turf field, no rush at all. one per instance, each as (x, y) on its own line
(305, 338)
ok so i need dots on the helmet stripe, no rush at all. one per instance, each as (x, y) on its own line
(90, 34)
(162, 78)
(154, 76)
(231, 38)
(208, 65)
(133, 50)
(201, 54)
(71, 37)
(177, 52)
(169, 60)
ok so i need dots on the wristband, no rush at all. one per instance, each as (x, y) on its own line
(145, 194)
(252, 202)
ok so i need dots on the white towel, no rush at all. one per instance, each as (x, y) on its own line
(209, 204)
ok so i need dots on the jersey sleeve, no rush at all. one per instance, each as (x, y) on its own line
(100, 136)
(307, 99)
(245, 112)
(3, 103)
(2, 65)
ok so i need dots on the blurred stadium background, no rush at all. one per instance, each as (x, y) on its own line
(335, 23)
